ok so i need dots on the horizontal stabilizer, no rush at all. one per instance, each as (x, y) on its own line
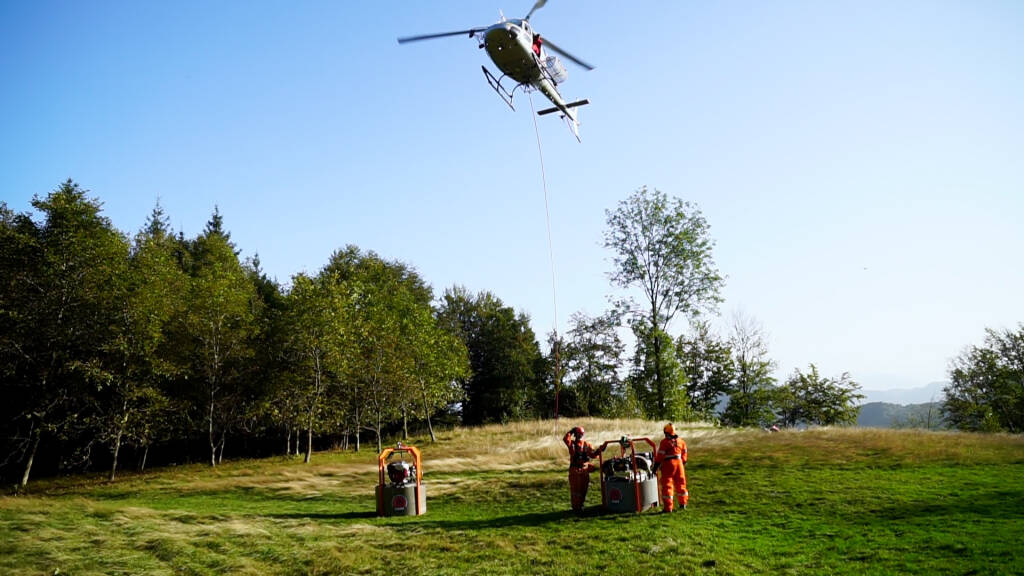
(569, 105)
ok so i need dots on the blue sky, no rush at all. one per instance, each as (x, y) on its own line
(859, 162)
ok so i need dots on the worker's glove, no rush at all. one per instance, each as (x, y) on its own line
(655, 468)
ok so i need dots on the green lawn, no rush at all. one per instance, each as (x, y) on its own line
(815, 502)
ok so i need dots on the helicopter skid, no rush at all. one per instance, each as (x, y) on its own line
(498, 88)
(567, 106)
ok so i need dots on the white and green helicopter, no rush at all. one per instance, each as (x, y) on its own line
(522, 55)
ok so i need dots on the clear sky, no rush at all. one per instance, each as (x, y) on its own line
(860, 163)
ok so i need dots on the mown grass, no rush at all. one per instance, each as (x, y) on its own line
(850, 501)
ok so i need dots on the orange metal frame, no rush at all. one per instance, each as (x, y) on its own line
(631, 442)
(382, 462)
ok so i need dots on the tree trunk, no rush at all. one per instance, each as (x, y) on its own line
(405, 423)
(213, 444)
(357, 436)
(309, 423)
(117, 440)
(558, 374)
(288, 441)
(31, 458)
(380, 445)
(427, 412)
(145, 453)
(117, 450)
(659, 382)
(223, 441)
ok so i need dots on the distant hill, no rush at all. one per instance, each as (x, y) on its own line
(887, 415)
(905, 396)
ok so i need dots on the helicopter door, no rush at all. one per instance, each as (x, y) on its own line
(554, 68)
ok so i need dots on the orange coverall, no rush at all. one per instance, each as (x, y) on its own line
(672, 458)
(580, 468)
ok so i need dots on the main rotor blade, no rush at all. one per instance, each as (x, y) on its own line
(554, 47)
(539, 4)
(470, 32)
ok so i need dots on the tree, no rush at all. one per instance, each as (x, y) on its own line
(59, 316)
(986, 390)
(662, 246)
(220, 327)
(592, 358)
(388, 297)
(275, 367)
(319, 317)
(502, 354)
(377, 360)
(751, 398)
(661, 397)
(551, 396)
(155, 290)
(21, 351)
(710, 370)
(440, 362)
(813, 399)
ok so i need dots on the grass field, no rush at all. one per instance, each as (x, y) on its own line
(830, 501)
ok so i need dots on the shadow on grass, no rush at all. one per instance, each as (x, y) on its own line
(528, 520)
(532, 519)
(324, 516)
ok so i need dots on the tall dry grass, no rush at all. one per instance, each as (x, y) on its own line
(538, 445)
(871, 446)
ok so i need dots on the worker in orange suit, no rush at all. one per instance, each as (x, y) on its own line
(580, 468)
(671, 459)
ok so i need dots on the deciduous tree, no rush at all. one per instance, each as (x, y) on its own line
(663, 247)
(59, 317)
(592, 357)
(986, 390)
(810, 398)
(155, 288)
(386, 298)
(709, 366)
(319, 318)
(657, 379)
(502, 353)
(439, 362)
(751, 398)
(220, 327)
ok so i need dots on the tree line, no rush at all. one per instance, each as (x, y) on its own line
(109, 342)
(662, 249)
(113, 344)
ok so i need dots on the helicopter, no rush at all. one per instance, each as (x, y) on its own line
(522, 55)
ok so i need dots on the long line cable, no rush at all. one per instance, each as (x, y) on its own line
(551, 255)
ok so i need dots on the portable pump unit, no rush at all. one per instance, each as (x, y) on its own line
(628, 482)
(621, 468)
(401, 473)
(400, 491)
